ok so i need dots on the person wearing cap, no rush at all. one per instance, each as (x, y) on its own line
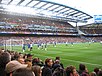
(12, 66)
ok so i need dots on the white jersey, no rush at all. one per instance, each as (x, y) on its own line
(31, 45)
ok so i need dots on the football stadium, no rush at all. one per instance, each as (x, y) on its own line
(42, 30)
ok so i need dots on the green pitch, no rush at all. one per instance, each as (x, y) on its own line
(90, 55)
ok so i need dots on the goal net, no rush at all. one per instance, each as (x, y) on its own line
(13, 44)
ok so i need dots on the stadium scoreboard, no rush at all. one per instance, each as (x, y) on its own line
(97, 18)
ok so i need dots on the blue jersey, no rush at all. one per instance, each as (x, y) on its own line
(28, 45)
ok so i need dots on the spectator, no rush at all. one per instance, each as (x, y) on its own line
(5, 57)
(23, 72)
(29, 57)
(83, 70)
(19, 57)
(1, 50)
(12, 66)
(21, 60)
(96, 70)
(37, 61)
(59, 72)
(71, 71)
(46, 71)
(58, 58)
(95, 73)
(37, 70)
(29, 63)
(56, 65)
(100, 73)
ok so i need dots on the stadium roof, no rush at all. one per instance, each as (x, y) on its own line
(43, 8)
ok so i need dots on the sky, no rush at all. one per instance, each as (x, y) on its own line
(91, 7)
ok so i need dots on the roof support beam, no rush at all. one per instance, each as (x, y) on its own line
(9, 2)
(60, 9)
(49, 7)
(79, 15)
(65, 11)
(42, 5)
(87, 18)
(20, 2)
(82, 17)
(73, 13)
(28, 3)
(54, 8)
(36, 4)
(68, 13)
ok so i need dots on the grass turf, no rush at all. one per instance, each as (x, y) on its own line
(90, 55)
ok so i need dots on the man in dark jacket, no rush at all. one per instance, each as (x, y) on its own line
(47, 71)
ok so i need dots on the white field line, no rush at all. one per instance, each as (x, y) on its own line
(82, 62)
(76, 61)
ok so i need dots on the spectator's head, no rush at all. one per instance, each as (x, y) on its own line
(96, 70)
(48, 62)
(1, 51)
(28, 62)
(29, 56)
(57, 58)
(71, 69)
(37, 70)
(59, 72)
(100, 73)
(82, 67)
(23, 72)
(57, 62)
(16, 56)
(35, 61)
(21, 60)
(14, 65)
(19, 57)
(93, 74)
(5, 57)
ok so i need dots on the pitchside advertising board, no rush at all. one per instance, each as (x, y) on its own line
(97, 18)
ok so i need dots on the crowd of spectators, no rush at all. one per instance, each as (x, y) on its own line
(92, 29)
(18, 64)
(27, 25)
(39, 31)
(36, 21)
(36, 40)
(95, 39)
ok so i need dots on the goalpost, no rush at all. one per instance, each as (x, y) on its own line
(13, 44)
